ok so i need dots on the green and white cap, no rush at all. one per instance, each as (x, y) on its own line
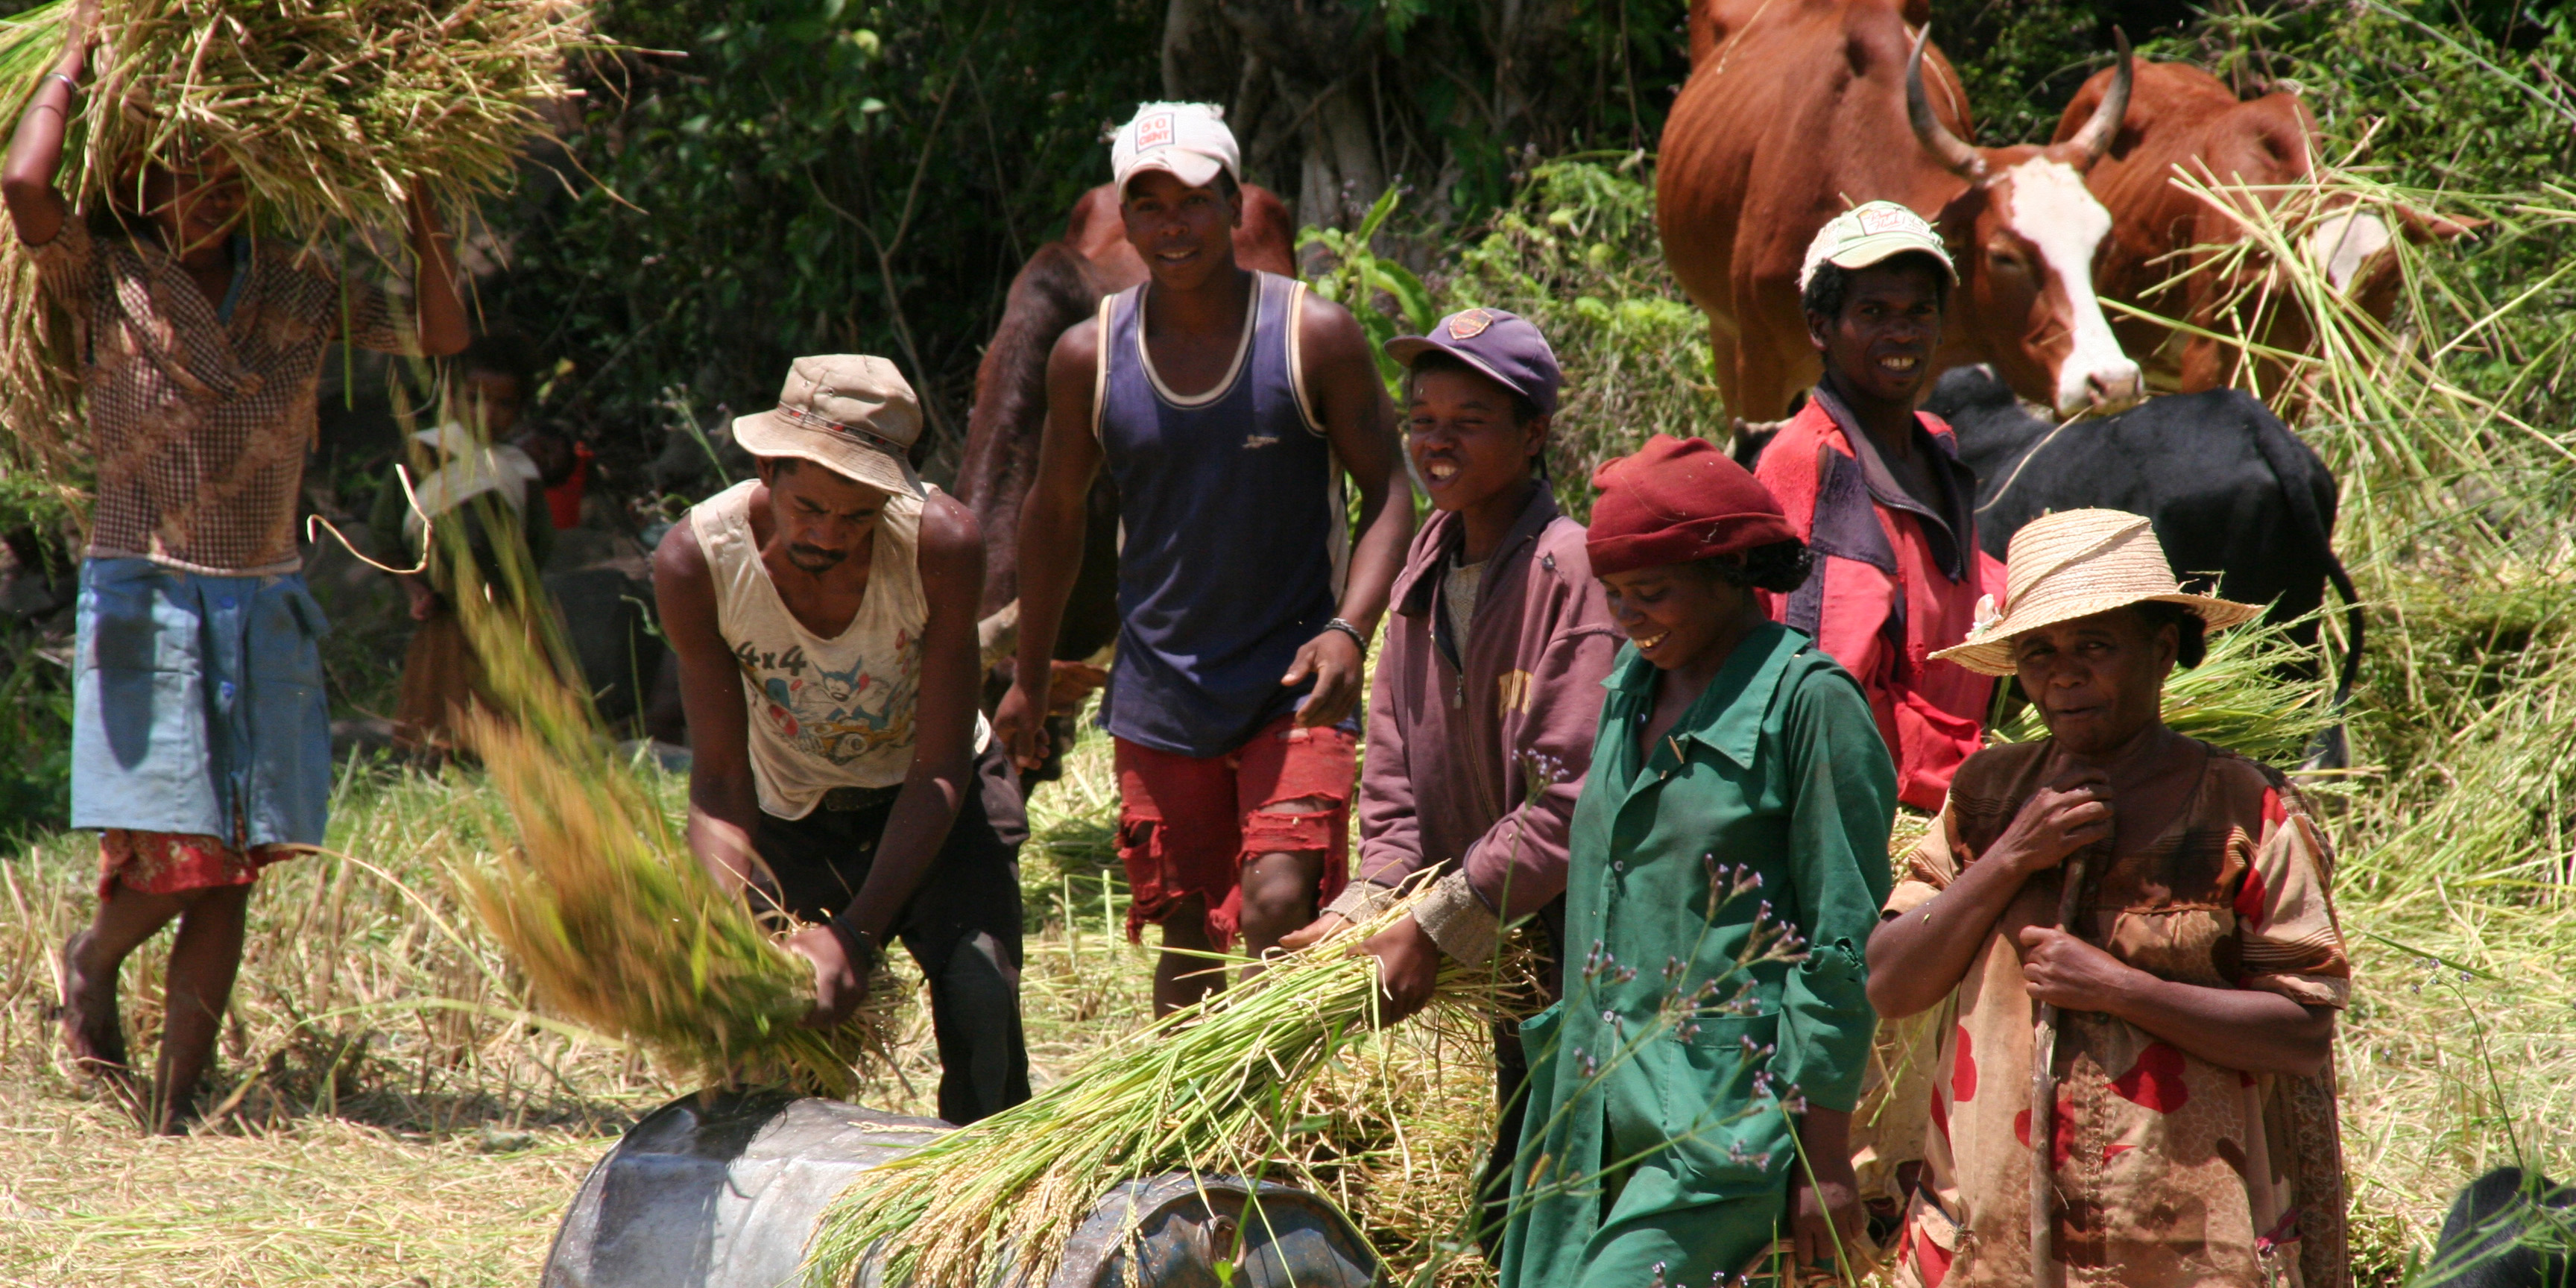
(1868, 233)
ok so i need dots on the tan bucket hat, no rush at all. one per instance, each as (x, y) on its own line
(852, 414)
(2075, 564)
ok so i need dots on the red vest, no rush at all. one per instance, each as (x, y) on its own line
(1894, 581)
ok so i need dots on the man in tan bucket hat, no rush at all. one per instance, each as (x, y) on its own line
(841, 771)
(2171, 901)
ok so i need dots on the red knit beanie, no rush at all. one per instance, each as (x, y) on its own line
(1675, 501)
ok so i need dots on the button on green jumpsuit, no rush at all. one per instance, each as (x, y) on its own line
(1655, 1137)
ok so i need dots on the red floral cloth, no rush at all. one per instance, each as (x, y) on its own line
(2173, 1172)
(176, 863)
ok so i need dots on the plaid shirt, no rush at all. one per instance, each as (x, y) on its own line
(200, 423)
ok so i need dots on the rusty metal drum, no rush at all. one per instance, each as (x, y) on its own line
(723, 1191)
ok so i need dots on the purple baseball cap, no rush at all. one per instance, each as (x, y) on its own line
(1502, 345)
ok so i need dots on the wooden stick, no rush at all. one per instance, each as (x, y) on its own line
(2043, 1108)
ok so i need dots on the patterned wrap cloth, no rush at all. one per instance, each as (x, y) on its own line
(2174, 1172)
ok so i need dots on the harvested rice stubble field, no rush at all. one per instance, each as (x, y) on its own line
(396, 1119)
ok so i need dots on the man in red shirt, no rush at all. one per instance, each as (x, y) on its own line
(1876, 488)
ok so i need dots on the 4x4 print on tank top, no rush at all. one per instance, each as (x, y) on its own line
(836, 716)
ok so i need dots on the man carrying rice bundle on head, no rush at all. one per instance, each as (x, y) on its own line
(201, 742)
(842, 773)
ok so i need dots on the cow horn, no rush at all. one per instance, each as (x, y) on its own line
(2095, 138)
(1962, 160)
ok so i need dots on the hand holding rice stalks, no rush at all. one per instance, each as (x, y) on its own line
(619, 929)
(1213, 1087)
(334, 112)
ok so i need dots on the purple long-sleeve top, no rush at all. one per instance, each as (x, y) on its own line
(1477, 747)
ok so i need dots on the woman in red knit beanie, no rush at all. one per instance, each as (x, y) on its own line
(1691, 1096)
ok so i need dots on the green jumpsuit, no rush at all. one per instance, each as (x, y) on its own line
(1656, 1135)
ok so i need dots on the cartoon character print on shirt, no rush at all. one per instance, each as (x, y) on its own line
(836, 716)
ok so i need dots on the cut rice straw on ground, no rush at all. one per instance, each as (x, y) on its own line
(334, 113)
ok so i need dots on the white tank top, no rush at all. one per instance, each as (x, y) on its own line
(825, 713)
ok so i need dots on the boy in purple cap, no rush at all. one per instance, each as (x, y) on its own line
(1482, 717)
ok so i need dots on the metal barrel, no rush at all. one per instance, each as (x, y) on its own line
(723, 1190)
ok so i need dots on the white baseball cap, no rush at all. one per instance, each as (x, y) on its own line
(1187, 140)
(1870, 232)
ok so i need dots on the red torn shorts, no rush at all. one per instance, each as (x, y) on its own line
(1188, 824)
(176, 863)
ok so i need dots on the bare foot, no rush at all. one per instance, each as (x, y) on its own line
(91, 1028)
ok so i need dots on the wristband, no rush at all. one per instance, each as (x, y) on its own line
(1337, 624)
(860, 947)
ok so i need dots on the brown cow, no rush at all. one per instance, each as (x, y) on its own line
(1798, 109)
(2181, 116)
(1060, 285)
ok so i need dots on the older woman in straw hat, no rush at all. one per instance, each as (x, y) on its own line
(2195, 976)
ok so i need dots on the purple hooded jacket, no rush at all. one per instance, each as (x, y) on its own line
(1477, 748)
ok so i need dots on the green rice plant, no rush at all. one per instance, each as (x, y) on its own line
(2243, 696)
(1216, 1087)
(2425, 454)
(333, 112)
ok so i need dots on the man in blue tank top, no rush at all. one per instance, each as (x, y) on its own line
(1226, 405)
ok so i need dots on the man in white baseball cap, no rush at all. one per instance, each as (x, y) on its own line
(1228, 406)
(1877, 488)
(824, 618)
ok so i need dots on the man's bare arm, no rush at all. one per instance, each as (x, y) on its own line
(943, 753)
(1341, 379)
(1050, 538)
(723, 803)
(443, 328)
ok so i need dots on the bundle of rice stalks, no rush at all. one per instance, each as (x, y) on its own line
(1219, 1087)
(2382, 400)
(2246, 696)
(598, 898)
(619, 929)
(333, 111)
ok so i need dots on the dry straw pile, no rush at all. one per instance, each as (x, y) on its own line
(334, 110)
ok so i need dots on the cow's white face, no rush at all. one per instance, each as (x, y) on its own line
(2343, 242)
(2047, 209)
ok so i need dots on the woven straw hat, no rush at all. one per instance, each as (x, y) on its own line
(2075, 564)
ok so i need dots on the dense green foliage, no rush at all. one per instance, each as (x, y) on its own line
(765, 178)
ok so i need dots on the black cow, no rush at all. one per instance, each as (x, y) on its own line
(2237, 500)
(2506, 1230)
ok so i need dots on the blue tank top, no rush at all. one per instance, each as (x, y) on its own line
(1233, 535)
